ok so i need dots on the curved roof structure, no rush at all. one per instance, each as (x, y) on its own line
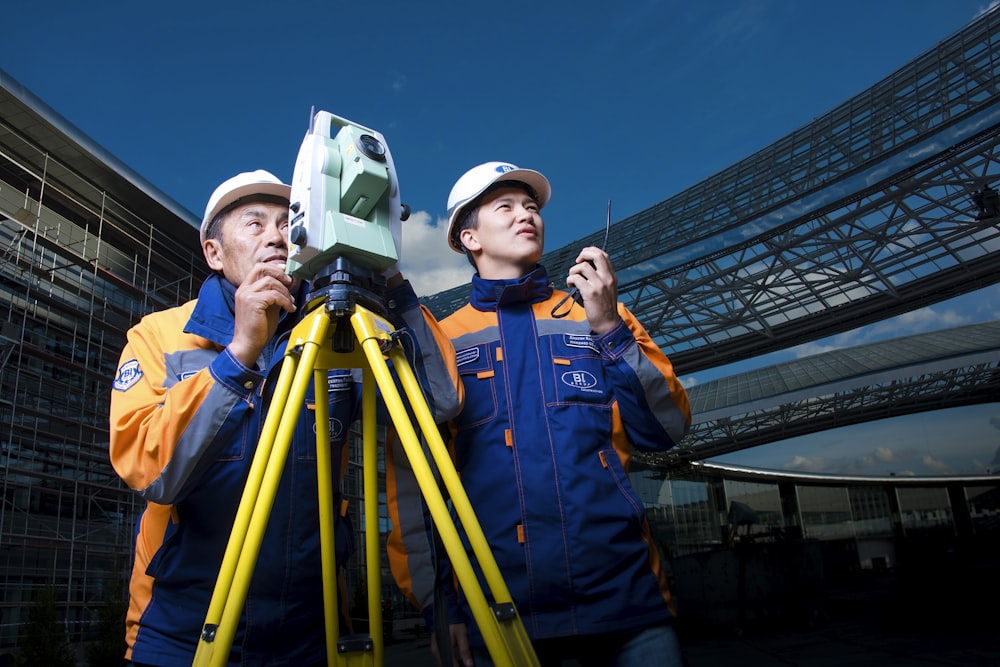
(881, 206)
(936, 370)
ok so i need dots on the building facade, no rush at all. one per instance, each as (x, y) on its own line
(748, 546)
(88, 248)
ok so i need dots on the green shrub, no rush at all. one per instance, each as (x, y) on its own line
(42, 641)
(109, 648)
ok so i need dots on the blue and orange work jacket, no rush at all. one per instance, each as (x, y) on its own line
(543, 443)
(186, 417)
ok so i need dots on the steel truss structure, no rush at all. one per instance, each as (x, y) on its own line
(932, 371)
(879, 207)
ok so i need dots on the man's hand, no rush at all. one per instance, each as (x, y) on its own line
(461, 654)
(264, 293)
(595, 279)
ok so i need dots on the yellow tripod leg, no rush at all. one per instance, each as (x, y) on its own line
(357, 650)
(309, 355)
(258, 494)
(501, 626)
(328, 544)
(372, 542)
(365, 650)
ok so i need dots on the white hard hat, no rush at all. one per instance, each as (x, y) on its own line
(475, 181)
(248, 183)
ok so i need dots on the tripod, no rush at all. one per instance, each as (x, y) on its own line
(308, 356)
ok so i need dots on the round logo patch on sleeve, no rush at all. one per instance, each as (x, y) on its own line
(128, 374)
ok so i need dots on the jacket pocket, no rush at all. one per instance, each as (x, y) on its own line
(613, 465)
(340, 413)
(478, 374)
(578, 370)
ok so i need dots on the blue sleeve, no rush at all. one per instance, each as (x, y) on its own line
(654, 407)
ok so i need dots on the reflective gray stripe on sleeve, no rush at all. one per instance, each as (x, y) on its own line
(656, 391)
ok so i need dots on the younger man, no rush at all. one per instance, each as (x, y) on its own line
(554, 407)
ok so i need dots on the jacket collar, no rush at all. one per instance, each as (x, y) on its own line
(533, 287)
(214, 314)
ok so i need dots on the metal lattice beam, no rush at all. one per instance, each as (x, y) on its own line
(931, 371)
(870, 211)
(865, 213)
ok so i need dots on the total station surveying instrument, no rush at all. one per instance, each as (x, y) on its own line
(344, 233)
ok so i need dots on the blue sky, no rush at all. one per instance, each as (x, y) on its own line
(631, 101)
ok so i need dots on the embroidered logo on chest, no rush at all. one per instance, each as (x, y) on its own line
(336, 429)
(579, 379)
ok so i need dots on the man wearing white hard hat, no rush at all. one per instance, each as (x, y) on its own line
(190, 397)
(554, 407)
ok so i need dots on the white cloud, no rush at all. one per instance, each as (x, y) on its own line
(427, 261)
(936, 466)
(918, 321)
(884, 454)
(398, 83)
(922, 319)
(980, 468)
(807, 464)
(862, 462)
(988, 8)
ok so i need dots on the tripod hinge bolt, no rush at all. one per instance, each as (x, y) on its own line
(504, 611)
(355, 644)
(208, 634)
